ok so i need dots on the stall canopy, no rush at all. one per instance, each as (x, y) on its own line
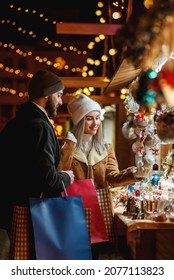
(123, 76)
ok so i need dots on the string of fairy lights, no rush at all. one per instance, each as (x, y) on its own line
(119, 9)
(59, 63)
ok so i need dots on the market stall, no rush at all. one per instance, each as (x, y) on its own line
(144, 215)
(144, 239)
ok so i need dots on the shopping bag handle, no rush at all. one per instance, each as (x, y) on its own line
(64, 189)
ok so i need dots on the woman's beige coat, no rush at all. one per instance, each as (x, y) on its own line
(103, 169)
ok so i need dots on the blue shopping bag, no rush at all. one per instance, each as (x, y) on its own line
(60, 229)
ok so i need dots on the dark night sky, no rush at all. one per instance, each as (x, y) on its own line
(65, 10)
(57, 10)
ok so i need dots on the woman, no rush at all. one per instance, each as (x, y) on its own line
(86, 153)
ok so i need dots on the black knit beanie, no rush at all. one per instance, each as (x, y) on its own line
(44, 83)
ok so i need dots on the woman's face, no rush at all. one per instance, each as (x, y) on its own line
(92, 122)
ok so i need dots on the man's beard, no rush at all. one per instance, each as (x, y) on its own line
(50, 107)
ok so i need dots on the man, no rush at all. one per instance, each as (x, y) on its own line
(30, 155)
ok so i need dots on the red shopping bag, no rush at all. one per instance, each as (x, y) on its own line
(87, 190)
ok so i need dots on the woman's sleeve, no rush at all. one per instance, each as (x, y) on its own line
(113, 175)
(67, 152)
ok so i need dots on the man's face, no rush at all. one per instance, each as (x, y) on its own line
(53, 102)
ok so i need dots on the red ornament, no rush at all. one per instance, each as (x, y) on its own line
(137, 193)
(167, 75)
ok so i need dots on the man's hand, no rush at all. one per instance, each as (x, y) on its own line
(71, 175)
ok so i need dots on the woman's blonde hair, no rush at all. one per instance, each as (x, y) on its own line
(98, 139)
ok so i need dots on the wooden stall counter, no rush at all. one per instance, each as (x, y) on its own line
(143, 239)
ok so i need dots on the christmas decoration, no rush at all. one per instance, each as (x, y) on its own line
(163, 84)
(148, 36)
(145, 93)
(140, 127)
(168, 163)
(164, 121)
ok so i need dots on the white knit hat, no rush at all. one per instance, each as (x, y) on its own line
(80, 105)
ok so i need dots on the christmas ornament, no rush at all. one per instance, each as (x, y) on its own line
(168, 163)
(145, 94)
(155, 179)
(164, 120)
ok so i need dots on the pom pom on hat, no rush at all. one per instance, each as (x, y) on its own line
(44, 83)
(80, 105)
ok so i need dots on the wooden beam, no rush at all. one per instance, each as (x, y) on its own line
(87, 28)
(12, 99)
(16, 100)
(76, 82)
(103, 100)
